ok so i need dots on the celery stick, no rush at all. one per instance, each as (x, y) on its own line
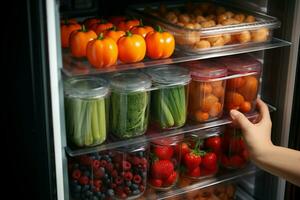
(86, 128)
(95, 122)
(166, 116)
(79, 111)
(101, 119)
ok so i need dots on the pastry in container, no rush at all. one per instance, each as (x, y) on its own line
(111, 174)
(86, 110)
(206, 90)
(129, 104)
(206, 27)
(201, 153)
(169, 101)
(241, 92)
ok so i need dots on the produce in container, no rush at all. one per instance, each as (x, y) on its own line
(86, 111)
(235, 154)
(129, 104)
(169, 101)
(114, 174)
(241, 92)
(164, 163)
(206, 90)
(200, 153)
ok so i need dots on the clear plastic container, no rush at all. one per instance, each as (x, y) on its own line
(129, 104)
(202, 26)
(201, 153)
(112, 174)
(169, 102)
(86, 110)
(241, 92)
(234, 154)
(164, 163)
(206, 90)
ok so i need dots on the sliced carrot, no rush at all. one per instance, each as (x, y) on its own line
(235, 83)
(234, 98)
(245, 107)
(218, 91)
(215, 109)
(249, 89)
(207, 102)
(201, 116)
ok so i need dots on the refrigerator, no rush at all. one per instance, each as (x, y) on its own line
(36, 118)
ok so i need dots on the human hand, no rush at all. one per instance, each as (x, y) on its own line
(258, 135)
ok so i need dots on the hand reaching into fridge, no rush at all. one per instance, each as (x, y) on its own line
(280, 161)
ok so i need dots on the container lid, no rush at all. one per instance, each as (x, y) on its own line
(169, 74)
(240, 64)
(134, 147)
(86, 87)
(168, 140)
(206, 69)
(130, 81)
(209, 132)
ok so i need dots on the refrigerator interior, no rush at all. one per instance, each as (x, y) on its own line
(276, 89)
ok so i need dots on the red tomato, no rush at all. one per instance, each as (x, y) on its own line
(171, 179)
(209, 161)
(164, 152)
(236, 161)
(214, 143)
(192, 160)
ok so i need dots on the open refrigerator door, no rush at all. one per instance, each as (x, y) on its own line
(128, 114)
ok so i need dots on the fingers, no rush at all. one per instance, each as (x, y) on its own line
(264, 110)
(241, 120)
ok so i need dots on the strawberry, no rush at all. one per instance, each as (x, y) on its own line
(245, 154)
(164, 152)
(196, 172)
(224, 160)
(76, 174)
(162, 169)
(156, 182)
(214, 143)
(193, 158)
(171, 179)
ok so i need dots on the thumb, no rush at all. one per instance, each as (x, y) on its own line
(241, 120)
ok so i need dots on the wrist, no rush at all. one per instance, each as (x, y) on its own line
(261, 155)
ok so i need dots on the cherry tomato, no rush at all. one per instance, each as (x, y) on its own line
(209, 161)
(214, 143)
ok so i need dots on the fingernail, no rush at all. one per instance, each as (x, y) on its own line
(234, 114)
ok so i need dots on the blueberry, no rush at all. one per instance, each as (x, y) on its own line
(76, 195)
(88, 193)
(109, 160)
(85, 188)
(87, 173)
(95, 198)
(77, 188)
(98, 194)
(128, 183)
(97, 157)
(141, 153)
(75, 166)
(135, 192)
(106, 176)
(134, 186)
(82, 168)
(92, 187)
(110, 192)
(102, 196)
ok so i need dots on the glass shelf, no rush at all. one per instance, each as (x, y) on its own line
(75, 67)
(154, 134)
(222, 177)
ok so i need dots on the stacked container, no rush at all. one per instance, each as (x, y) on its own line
(129, 104)
(86, 110)
(164, 162)
(169, 102)
(235, 154)
(112, 174)
(206, 91)
(201, 153)
(241, 92)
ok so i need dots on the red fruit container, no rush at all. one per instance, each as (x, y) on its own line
(201, 153)
(112, 174)
(241, 92)
(164, 163)
(234, 154)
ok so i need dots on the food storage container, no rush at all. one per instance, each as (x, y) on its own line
(86, 110)
(205, 27)
(111, 174)
(164, 162)
(241, 92)
(234, 153)
(201, 153)
(206, 90)
(129, 104)
(169, 101)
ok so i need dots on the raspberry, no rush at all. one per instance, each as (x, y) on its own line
(114, 173)
(119, 180)
(156, 182)
(98, 173)
(137, 179)
(109, 167)
(96, 164)
(103, 163)
(76, 174)
(127, 190)
(126, 165)
(83, 180)
(135, 161)
(142, 188)
(85, 160)
(143, 161)
(97, 183)
(128, 176)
